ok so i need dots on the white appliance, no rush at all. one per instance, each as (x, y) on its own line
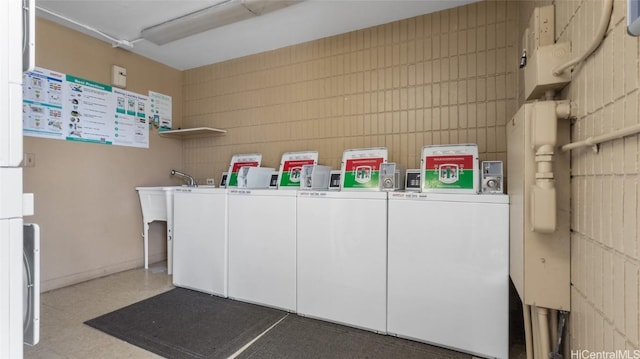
(254, 177)
(262, 247)
(449, 270)
(342, 257)
(16, 48)
(200, 239)
(315, 177)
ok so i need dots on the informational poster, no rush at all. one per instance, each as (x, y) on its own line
(42, 104)
(66, 107)
(160, 109)
(130, 120)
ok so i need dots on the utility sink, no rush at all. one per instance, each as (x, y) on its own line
(157, 205)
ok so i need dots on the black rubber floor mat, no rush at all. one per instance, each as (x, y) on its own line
(182, 323)
(298, 337)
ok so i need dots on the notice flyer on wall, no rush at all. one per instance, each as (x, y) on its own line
(130, 122)
(65, 107)
(42, 104)
(160, 109)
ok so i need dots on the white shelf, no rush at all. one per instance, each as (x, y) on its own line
(192, 132)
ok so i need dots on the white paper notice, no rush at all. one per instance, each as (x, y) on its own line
(160, 107)
(42, 104)
(130, 120)
(89, 110)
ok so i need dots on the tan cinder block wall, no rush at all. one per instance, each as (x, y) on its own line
(605, 197)
(443, 78)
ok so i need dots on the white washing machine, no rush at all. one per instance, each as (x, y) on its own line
(262, 247)
(200, 241)
(449, 270)
(342, 257)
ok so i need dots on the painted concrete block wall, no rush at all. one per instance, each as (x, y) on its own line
(442, 78)
(605, 195)
(605, 258)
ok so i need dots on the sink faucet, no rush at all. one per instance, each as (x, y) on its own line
(191, 182)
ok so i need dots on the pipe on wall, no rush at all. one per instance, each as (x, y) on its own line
(553, 316)
(544, 137)
(607, 9)
(528, 337)
(543, 327)
(595, 140)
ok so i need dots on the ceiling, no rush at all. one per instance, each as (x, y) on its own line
(298, 23)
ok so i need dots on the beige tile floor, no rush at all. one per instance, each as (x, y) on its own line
(63, 311)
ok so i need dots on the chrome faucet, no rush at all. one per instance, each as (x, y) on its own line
(191, 182)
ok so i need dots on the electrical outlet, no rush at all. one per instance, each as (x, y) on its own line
(29, 160)
(211, 181)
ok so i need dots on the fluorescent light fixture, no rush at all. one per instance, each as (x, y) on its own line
(220, 14)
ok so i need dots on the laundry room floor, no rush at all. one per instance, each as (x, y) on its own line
(63, 333)
(63, 312)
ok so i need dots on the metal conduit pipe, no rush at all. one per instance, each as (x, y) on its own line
(592, 141)
(607, 8)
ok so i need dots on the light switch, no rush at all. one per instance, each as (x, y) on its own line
(118, 76)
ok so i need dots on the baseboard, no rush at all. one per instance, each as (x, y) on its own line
(61, 282)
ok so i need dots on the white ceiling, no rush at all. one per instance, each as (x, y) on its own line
(302, 22)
